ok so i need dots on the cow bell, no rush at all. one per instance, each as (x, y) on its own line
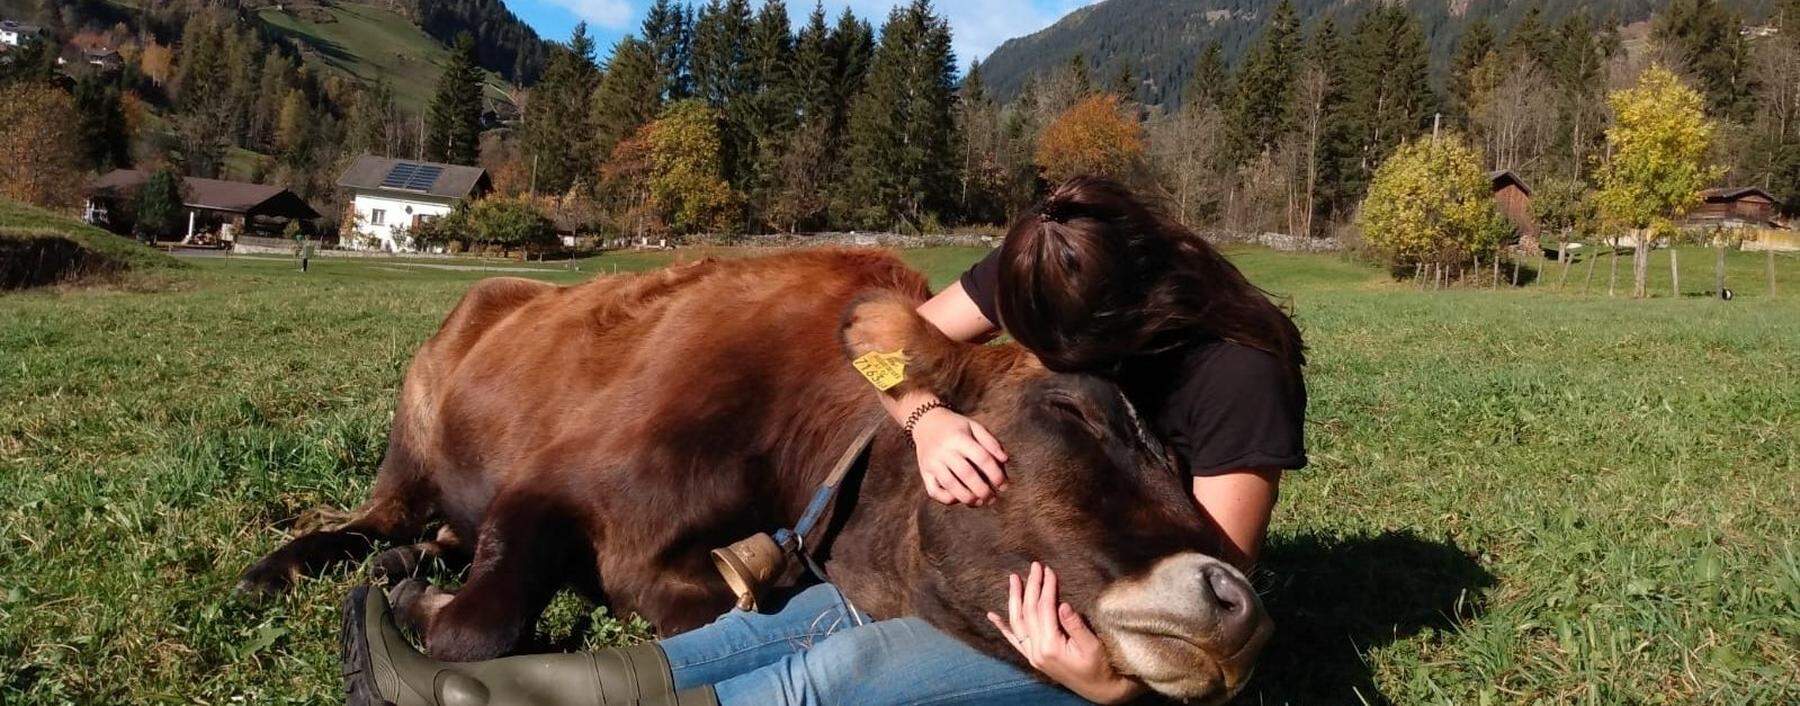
(749, 565)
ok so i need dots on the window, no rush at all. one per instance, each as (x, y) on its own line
(377, 217)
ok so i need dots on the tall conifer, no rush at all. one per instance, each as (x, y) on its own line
(453, 133)
(901, 127)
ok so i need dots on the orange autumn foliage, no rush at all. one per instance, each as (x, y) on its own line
(1092, 137)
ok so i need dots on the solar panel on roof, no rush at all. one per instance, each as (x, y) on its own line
(399, 175)
(411, 176)
(424, 177)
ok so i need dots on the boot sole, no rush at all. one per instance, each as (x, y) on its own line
(358, 670)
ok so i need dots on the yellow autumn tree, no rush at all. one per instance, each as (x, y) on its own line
(1092, 137)
(38, 146)
(1658, 142)
(686, 168)
(1431, 203)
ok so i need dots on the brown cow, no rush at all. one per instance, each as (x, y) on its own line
(608, 435)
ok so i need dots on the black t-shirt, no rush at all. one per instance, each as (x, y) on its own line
(1219, 405)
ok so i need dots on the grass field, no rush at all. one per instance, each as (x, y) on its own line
(1515, 496)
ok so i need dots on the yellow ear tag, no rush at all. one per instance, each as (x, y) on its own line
(884, 370)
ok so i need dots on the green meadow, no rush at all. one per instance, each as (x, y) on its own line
(1516, 496)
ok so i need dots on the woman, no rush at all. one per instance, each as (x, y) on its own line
(1091, 281)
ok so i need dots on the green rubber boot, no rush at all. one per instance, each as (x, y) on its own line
(382, 669)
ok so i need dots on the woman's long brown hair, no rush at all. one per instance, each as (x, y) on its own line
(1093, 277)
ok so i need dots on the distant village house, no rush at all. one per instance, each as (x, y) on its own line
(390, 197)
(104, 58)
(217, 210)
(13, 33)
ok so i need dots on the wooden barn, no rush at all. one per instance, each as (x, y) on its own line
(217, 210)
(1513, 197)
(1735, 207)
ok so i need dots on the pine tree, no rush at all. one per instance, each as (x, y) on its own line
(1329, 133)
(557, 139)
(720, 57)
(852, 47)
(1703, 37)
(453, 133)
(668, 29)
(1079, 76)
(629, 95)
(723, 77)
(774, 99)
(1472, 48)
(1260, 113)
(1211, 84)
(1531, 37)
(100, 126)
(814, 68)
(901, 128)
(1578, 65)
(1124, 84)
(1388, 88)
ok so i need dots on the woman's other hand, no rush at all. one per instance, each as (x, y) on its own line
(959, 460)
(1057, 642)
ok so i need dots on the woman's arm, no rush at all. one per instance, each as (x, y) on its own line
(1239, 503)
(959, 461)
(954, 313)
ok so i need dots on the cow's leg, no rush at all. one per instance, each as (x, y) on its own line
(521, 555)
(403, 562)
(392, 513)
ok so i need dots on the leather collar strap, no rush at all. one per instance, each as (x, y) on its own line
(854, 457)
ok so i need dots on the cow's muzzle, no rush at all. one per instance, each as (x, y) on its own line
(1191, 629)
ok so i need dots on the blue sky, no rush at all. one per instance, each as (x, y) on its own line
(978, 25)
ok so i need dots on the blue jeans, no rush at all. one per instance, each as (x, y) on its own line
(809, 651)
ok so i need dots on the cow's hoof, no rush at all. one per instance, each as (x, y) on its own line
(398, 563)
(360, 688)
(414, 602)
(264, 581)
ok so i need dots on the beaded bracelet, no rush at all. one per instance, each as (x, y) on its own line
(913, 419)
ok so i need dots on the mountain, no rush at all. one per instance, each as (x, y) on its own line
(1159, 40)
(402, 41)
(405, 41)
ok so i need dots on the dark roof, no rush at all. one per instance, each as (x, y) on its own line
(1501, 177)
(218, 195)
(20, 27)
(452, 180)
(1734, 193)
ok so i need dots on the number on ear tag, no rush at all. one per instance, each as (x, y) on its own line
(884, 370)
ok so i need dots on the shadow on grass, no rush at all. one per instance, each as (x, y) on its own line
(1336, 598)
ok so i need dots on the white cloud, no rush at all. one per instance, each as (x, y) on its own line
(609, 14)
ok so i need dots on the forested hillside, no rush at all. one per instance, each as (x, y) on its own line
(361, 36)
(1159, 41)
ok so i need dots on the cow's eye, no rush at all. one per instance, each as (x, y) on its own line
(1071, 408)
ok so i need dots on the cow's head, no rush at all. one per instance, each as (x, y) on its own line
(1091, 494)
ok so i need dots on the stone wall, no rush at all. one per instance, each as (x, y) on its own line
(1274, 241)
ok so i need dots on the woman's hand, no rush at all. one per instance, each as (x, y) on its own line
(958, 459)
(1057, 642)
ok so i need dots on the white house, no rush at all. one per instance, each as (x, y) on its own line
(390, 197)
(13, 33)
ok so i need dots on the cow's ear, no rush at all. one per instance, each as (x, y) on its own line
(887, 340)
